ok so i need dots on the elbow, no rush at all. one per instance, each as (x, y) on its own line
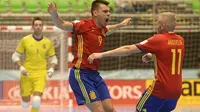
(15, 57)
(54, 60)
(128, 53)
(128, 49)
(59, 26)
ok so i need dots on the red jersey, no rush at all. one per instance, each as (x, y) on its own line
(88, 39)
(168, 51)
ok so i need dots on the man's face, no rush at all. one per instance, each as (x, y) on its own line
(102, 14)
(160, 25)
(38, 27)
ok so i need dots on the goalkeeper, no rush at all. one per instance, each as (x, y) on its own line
(36, 48)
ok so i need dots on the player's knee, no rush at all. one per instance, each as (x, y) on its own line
(24, 104)
(36, 102)
(98, 110)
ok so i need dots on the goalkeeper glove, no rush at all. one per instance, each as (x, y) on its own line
(23, 71)
(50, 72)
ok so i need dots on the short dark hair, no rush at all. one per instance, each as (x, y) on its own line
(35, 19)
(95, 4)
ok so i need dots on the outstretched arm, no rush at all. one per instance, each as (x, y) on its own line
(58, 22)
(112, 28)
(121, 51)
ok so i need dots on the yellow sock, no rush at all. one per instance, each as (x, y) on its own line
(34, 110)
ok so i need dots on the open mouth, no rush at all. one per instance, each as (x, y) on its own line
(107, 20)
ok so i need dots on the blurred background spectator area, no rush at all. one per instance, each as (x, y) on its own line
(117, 6)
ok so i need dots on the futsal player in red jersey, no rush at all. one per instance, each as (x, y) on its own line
(167, 50)
(88, 86)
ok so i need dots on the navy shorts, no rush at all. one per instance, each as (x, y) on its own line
(88, 86)
(150, 103)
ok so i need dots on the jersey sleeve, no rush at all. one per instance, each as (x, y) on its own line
(51, 51)
(150, 45)
(21, 47)
(77, 26)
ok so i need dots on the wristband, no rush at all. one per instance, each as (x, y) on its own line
(51, 70)
(22, 68)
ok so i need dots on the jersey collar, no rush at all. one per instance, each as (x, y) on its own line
(36, 38)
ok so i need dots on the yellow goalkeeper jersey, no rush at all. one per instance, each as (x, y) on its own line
(36, 52)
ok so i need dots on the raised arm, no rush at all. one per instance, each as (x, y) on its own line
(121, 51)
(58, 22)
(112, 28)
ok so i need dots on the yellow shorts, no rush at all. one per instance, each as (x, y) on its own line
(28, 85)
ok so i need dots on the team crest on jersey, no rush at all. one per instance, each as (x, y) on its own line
(92, 95)
(44, 46)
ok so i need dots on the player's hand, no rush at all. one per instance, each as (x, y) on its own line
(51, 8)
(94, 56)
(23, 71)
(126, 22)
(147, 58)
(50, 72)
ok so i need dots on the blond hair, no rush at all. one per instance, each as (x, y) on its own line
(169, 19)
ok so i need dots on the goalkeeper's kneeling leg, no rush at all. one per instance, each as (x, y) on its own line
(36, 102)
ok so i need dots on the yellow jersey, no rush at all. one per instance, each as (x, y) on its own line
(36, 52)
